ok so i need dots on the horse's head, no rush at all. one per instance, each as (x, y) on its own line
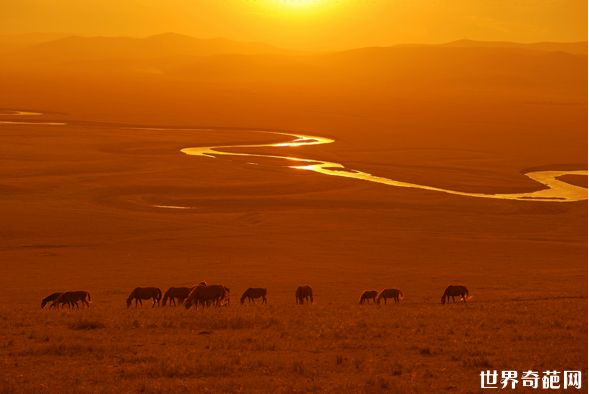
(443, 299)
(43, 303)
(129, 301)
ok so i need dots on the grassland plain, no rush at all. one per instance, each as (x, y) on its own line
(80, 209)
(78, 214)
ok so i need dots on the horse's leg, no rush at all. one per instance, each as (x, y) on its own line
(264, 300)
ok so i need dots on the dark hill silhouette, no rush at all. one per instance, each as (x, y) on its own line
(78, 49)
(460, 68)
(576, 48)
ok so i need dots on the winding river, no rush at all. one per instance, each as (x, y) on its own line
(554, 190)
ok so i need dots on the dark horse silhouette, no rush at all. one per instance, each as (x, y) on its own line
(252, 293)
(304, 293)
(395, 294)
(207, 295)
(367, 296)
(50, 298)
(71, 299)
(176, 293)
(144, 293)
(455, 291)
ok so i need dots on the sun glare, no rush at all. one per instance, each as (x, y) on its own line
(299, 3)
(296, 6)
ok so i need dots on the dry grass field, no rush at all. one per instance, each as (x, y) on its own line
(414, 347)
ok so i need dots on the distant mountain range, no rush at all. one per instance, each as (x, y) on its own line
(452, 68)
(64, 48)
(577, 48)
(76, 48)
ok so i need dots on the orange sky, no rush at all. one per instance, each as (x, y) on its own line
(320, 24)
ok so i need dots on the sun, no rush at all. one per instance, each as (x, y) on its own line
(299, 3)
(296, 10)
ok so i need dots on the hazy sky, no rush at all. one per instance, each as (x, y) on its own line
(307, 23)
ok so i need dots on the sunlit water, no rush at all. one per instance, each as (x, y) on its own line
(24, 122)
(555, 190)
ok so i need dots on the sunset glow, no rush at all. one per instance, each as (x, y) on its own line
(306, 24)
(275, 196)
(298, 3)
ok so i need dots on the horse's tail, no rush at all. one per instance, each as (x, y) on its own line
(88, 298)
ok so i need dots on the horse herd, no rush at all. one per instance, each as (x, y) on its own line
(219, 295)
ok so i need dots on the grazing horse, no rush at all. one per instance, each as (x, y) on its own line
(252, 293)
(304, 293)
(71, 299)
(173, 293)
(367, 296)
(455, 291)
(49, 298)
(144, 293)
(395, 294)
(207, 295)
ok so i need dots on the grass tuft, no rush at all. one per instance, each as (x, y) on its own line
(85, 324)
